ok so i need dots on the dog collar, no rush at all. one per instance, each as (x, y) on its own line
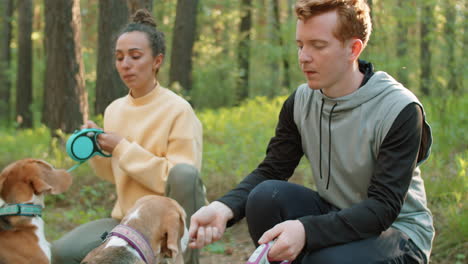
(21, 209)
(136, 240)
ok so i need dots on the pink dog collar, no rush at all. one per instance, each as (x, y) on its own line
(136, 241)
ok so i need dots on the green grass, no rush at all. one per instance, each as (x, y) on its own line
(235, 141)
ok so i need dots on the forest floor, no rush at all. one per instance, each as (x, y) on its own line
(234, 248)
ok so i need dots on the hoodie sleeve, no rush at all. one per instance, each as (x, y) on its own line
(389, 185)
(282, 157)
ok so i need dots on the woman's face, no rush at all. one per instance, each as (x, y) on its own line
(135, 62)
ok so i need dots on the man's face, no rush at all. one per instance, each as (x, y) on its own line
(322, 57)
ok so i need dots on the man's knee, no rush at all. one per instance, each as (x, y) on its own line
(262, 197)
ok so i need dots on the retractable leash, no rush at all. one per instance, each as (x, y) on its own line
(260, 255)
(82, 145)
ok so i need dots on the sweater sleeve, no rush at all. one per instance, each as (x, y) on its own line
(102, 167)
(184, 146)
(282, 157)
(389, 185)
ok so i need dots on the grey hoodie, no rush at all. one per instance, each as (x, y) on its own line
(341, 139)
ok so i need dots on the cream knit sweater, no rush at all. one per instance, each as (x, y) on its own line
(160, 130)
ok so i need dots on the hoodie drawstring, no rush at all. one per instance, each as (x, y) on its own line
(329, 144)
(320, 138)
(329, 141)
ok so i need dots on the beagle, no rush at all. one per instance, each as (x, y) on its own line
(23, 185)
(153, 229)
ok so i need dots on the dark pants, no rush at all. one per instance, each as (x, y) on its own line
(183, 185)
(273, 202)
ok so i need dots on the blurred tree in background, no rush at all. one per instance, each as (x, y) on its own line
(65, 98)
(24, 116)
(183, 38)
(5, 59)
(113, 15)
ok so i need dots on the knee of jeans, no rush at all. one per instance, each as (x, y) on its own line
(182, 176)
(59, 254)
(262, 196)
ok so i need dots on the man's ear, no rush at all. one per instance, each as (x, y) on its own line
(356, 47)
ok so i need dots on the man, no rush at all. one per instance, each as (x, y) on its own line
(364, 135)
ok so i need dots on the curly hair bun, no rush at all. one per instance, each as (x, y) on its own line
(143, 16)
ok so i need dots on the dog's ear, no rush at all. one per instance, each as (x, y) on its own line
(4, 175)
(2, 180)
(51, 180)
(175, 230)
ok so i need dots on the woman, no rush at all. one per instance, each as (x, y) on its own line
(153, 135)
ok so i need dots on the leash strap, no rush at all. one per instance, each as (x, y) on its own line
(21, 209)
(136, 241)
(75, 166)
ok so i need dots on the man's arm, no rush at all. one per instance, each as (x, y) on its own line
(283, 155)
(389, 184)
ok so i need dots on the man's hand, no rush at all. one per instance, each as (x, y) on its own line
(208, 224)
(290, 240)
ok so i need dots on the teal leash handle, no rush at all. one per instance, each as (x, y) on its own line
(83, 145)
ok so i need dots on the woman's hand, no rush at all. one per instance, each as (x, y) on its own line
(90, 124)
(107, 141)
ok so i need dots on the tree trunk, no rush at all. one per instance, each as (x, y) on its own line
(243, 50)
(182, 44)
(113, 15)
(285, 61)
(134, 5)
(426, 26)
(24, 73)
(65, 98)
(451, 39)
(402, 43)
(273, 37)
(5, 60)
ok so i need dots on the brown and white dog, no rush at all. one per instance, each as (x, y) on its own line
(25, 183)
(153, 229)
